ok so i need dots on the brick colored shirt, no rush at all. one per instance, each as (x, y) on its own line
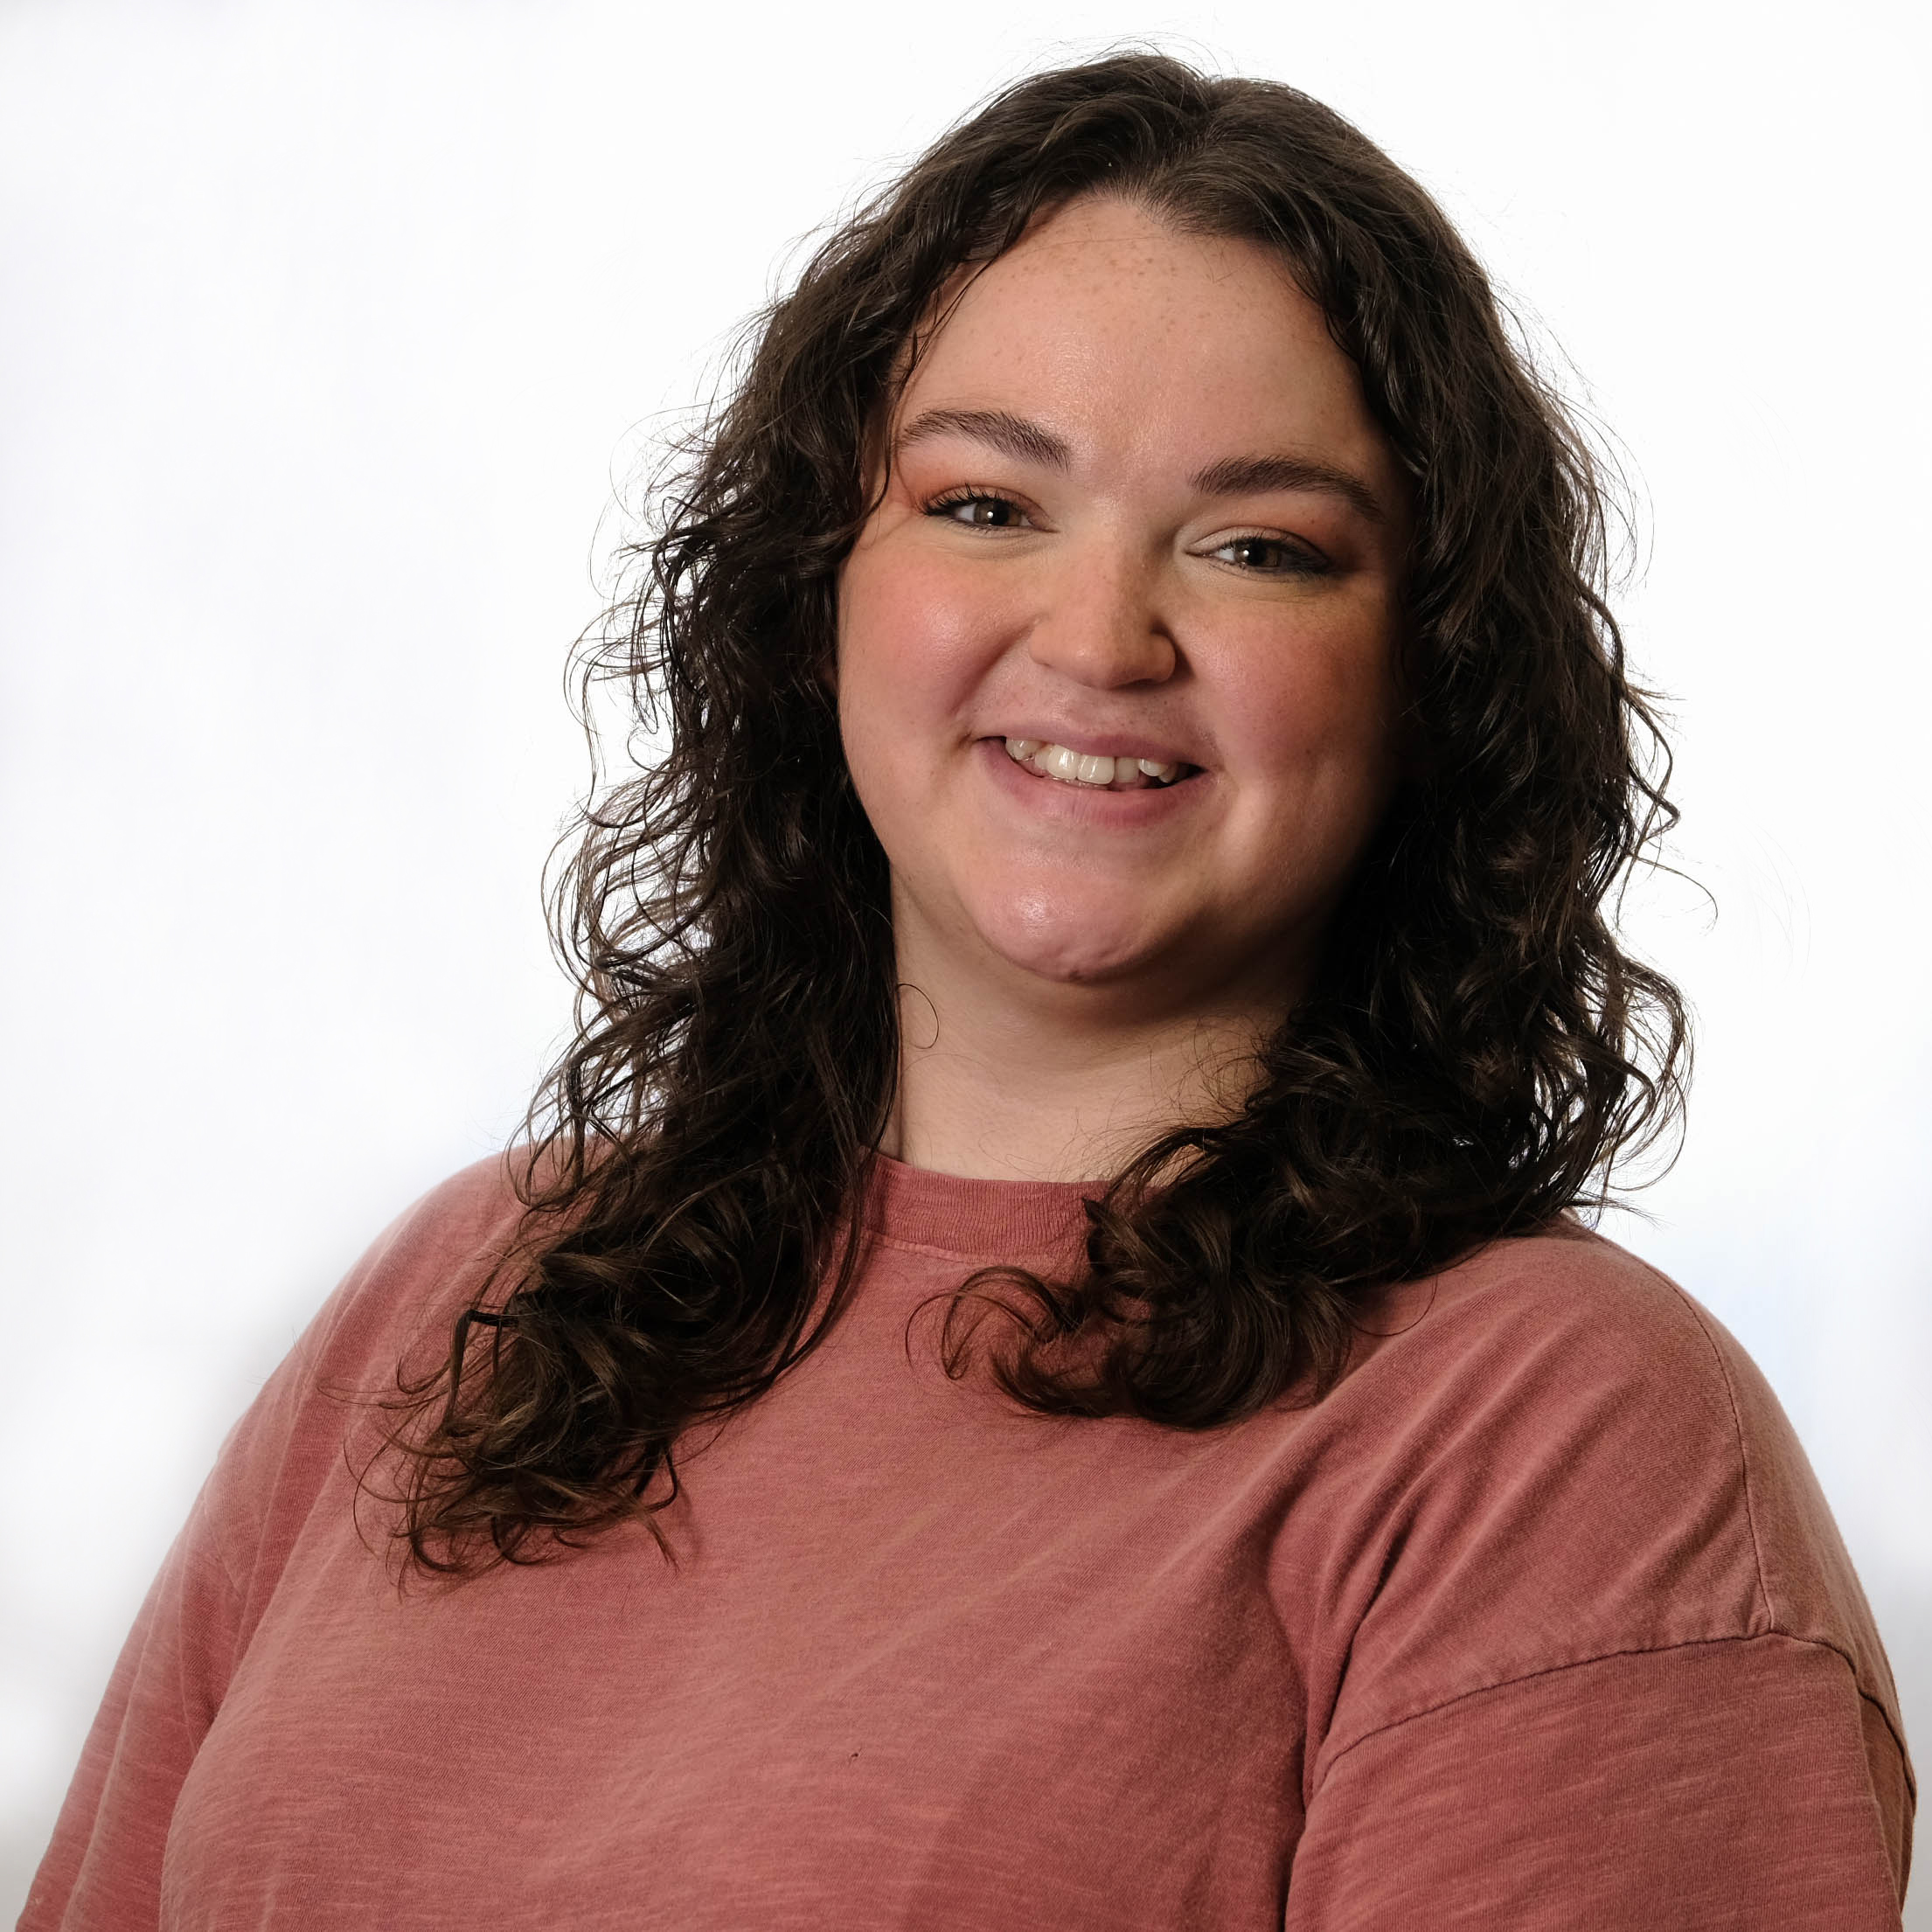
(1538, 1621)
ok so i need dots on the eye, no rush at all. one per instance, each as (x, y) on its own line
(979, 508)
(1271, 557)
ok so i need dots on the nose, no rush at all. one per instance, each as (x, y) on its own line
(1099, 621)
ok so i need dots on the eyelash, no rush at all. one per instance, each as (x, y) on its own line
(1298, 561)
(952, 498)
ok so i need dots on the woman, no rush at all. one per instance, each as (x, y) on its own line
(1042, 1370)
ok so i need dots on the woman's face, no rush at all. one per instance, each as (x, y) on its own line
(1136, 509)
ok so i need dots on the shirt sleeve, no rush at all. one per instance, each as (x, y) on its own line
(1742, 1785)
(102, 1869)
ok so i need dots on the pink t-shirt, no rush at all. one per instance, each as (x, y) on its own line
(1538, 1621)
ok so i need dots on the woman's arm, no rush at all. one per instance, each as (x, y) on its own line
(102, 1870)
(1600, 1657)
(1740, 1784)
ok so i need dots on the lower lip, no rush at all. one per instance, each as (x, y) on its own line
(1088, 804)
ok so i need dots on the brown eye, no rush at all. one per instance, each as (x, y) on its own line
(981, 511)
(1270, 556)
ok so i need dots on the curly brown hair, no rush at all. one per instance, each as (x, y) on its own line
(1475, 1054)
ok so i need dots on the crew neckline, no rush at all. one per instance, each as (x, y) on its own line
(971, 1217)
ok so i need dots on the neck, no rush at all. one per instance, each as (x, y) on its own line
(1057, 1082)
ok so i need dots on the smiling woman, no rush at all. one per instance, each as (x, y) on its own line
(1149, 756)
(1139, 511)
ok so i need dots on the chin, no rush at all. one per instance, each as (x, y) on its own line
(1068, 951)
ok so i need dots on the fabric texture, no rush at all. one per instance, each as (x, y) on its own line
(1539, 1620)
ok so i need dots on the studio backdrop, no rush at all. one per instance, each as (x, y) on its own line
(335, 340)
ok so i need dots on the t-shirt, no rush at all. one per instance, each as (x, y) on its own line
(1537, 1620)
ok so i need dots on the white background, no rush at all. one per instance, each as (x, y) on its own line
(328, 332)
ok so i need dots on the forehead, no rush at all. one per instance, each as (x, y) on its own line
(1114, 326)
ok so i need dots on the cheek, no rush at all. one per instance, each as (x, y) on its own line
(1330, 683)
(915, 634)
(899, 676)
(1315, 718)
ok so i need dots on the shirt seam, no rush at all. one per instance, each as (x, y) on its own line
(1772, 1625)
(305, 1361)
(1606, 1657)
(216, 1558)
(938, 1254)
(1771, 1621)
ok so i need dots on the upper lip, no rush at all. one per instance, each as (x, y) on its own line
(1099, 745)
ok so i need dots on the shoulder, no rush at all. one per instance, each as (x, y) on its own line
(1565, 1358)
(1566, 1344)
(430, 1261)
(323, 1410)
(1568, 1294)
(1566, 1458)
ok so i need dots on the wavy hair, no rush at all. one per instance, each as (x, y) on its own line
(1477, 1051)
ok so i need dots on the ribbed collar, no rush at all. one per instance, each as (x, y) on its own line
(974, 1219)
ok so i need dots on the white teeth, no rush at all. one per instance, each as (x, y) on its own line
(1080, 768)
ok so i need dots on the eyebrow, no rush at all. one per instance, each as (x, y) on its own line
(1034, 442)
(998, 428)
(1252, 475)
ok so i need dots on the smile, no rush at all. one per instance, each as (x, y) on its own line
(1101, 774)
